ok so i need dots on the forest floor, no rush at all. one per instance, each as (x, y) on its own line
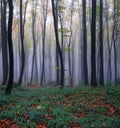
(50, 107)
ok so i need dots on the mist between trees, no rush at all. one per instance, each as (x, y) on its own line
(74, 42)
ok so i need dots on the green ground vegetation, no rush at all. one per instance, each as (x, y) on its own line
(71, 107)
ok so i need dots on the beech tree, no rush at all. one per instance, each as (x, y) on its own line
(55, 18)
(84, 48)
(115, 35)
(34, 57)
(70, 43)
(4, 41)
(85, 68)
(22, 24)
(93, 45)
(45, 9)
(101, 45)
(109, 44)
(10, 48)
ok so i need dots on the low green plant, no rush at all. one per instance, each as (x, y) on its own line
(90, 107)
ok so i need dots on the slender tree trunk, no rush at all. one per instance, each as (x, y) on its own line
(85, 68)
(62, 32)
(26, 63)
(34, 61)
(10, 46)
(98, 56)
(101, 45)
(81, 46)
(4, 42)
(62, 38)
(57, 67)
(69, 44)
(114, 35)
(115, 61)
(58, 45)
(32, 68)
(109, 70)
(43, 42)
(93, 45)
(115, 55)
(57, 52)
(22, 24)
(49, 50)
(81, 79)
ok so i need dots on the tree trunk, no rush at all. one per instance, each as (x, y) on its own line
(34, 61)
(114, 38)
(109, 70)
(10, 46)
(4, 42)
(101, 45)
(85, 68)
(93, 45)
(43, 42)
(57, 67)
(69, 44)
(58, 45)
(22, 43)
(57, 52)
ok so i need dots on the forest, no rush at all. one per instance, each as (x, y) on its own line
(59, 64)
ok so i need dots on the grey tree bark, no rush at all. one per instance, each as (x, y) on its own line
(4, 41)
(45, 9)
(22, 25)
(93, 45)
(85, 67)
(101, 45)
(70, 43)
(55, 17)
(109, 70)
(10, 47)
(34, 59)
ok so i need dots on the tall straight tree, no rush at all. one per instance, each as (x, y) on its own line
(34, 57)
(57, 53)
(93, 45)
(45, 9)
(70, 43)
(4, 41)
(101, 45)
(85, 68)
(114, 43)
(22, 45)
(10, 46)
(55, 17)
(109, 69)
(115, 36)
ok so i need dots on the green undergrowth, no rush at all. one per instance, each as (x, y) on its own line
(85, 107)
